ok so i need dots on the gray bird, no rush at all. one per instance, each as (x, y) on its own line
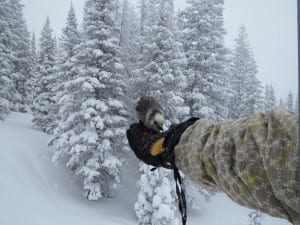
(150, 113)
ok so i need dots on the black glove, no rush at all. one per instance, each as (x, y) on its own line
(141, 140)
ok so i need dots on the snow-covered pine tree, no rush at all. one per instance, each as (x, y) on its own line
(267, 98)
(247, 98)
(142, 5)
(124, 24)
(149, 15)
(155, 204)
(67, 89)
(44, 98)
(290, 102)
(55, 45)
(281, 104)
(203, 33)
(65, 64)
(270, 98)
(134, 74)
(65, 104)
(33, 81)
(68, 42)
(160, 72)
(6, 66)
(129, 43)
(93, 133)
(21, 57)
(129, 37)
(33, 47)
(117, 15)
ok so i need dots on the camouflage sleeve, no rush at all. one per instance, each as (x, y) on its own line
(253, 160)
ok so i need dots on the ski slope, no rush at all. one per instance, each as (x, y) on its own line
(33, 191)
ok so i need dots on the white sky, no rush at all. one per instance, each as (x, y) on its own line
(271, 26)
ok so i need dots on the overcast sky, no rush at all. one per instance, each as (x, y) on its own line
(270, 24)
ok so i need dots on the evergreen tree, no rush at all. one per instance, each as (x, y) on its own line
(66, 104)
(70, 37)
(117, 15)
(142, 5)
(129, 37)
(160, 72)
(21, 57)
(44, 99)
(6, 66)
(247, 97)
(270, 98)
(33, 49)
(65, 68)
(55, 45)
(149, 15)
(290, 102)
(94, 131)
(281, 104)
(155, 204)
(203, 41)
(129, 43)
(33, 81)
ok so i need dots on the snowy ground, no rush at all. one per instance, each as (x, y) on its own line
(35, 192)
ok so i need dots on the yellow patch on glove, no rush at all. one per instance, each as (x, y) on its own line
(157, 148)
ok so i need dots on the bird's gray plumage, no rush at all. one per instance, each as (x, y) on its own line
(150, 113)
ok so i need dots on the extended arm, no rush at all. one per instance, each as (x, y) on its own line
(252, 159)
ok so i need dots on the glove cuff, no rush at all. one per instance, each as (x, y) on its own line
(175, 132)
